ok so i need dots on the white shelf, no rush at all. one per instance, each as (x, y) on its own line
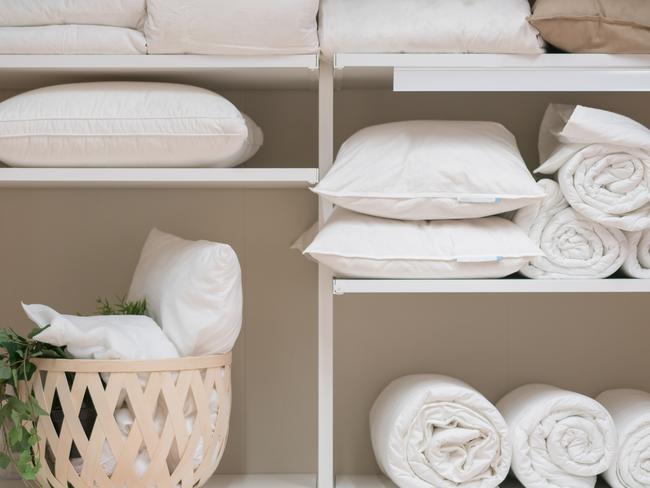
(495, 72)
(158, 178)
(237, 481)
(507, 285)
(22, 72)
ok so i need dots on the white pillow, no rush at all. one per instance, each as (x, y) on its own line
(133, 337)
(359, 246)
(425, 170)
(417, 26)
(71, 39)
(231, 27)
(193, 290)
(123, 124)
(117, 13)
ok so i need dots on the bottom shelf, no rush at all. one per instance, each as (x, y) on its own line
(376, 481)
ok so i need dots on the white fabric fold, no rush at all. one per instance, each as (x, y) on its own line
(560, 439)
(573, 246)
(431, 430)
(630, 410)
(602, 160)
(637, 264)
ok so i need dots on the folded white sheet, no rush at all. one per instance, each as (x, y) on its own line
(71, 39)
(560, 439)
(431, 430)
(573, 246)
(134, 337)
(416, 26)
(630, 410)
(637, 264)
(603, 164)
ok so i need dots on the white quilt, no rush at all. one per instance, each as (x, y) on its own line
(631, 412)
(573, 246)
(602, 161)
(637, 264)
(431, 430)
(560, 439)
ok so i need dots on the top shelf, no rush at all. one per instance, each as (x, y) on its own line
(494, 72)
(19, 73)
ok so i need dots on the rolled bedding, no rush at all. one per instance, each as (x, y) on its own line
(560, 439)
(630, 410)
(637, 264)
(431, 430)
(602, 161)
(573, 246)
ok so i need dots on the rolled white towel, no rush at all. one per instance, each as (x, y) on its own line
(573, 246)
(431, 430)
(637, 264)
(560, 439)
(630, 410)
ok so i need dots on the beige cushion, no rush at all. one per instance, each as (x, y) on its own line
(594, 26)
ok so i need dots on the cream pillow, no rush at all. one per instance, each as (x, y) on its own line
(424, 170)
(124, 124)
(359, 246)
(193, 291)
(225, 27)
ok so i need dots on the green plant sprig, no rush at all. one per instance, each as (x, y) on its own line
(122, 307)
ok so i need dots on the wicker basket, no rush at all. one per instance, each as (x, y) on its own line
(179, 409)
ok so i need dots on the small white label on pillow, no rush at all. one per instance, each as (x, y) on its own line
(472, 199)
(479, 259)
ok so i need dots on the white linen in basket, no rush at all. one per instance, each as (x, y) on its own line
(229, 27)
(602, 160)
(124, 124)
(630, 410)
(637, 264)
(359, 246)
(71, 39)
(573, 246)
(427, 26)
(430, 169)
(560, 439)
(193, 290)
(435, 431)
(117, 13)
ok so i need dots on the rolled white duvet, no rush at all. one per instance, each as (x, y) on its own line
(573, 246)
(431, 430)
(637, 264)
(560, 439)
(602, 161)
(630, 410)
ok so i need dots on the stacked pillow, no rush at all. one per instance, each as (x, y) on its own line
(418, 200)
(72, 27)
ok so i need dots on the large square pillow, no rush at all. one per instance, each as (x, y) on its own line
(424, 170)
(353, 245)
(193, 291)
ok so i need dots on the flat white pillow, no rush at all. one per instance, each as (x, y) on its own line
(71, 39)
(427, 26)
(231, 27)
(117, 13)
(193, 290)
(359, 246)
(124, 124)
(425, 170)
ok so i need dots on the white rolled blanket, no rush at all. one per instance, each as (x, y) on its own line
(573, 246)
(560, 439)
(603, 164)
(637, 264)
(630, 410)
(431, 430)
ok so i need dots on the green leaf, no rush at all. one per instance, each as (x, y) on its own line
(5, 372)
(15, 435)
(5, 461)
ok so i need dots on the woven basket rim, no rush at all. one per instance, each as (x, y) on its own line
(132, 366)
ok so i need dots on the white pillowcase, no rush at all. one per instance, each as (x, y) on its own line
(232, 27)
(416, 26)
(193, 290)
(71, 39)
(359, 246)
(425, 170)
(124, 124)
(117, 13)
(133, 337)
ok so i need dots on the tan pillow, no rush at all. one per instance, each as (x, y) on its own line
(594, 26)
